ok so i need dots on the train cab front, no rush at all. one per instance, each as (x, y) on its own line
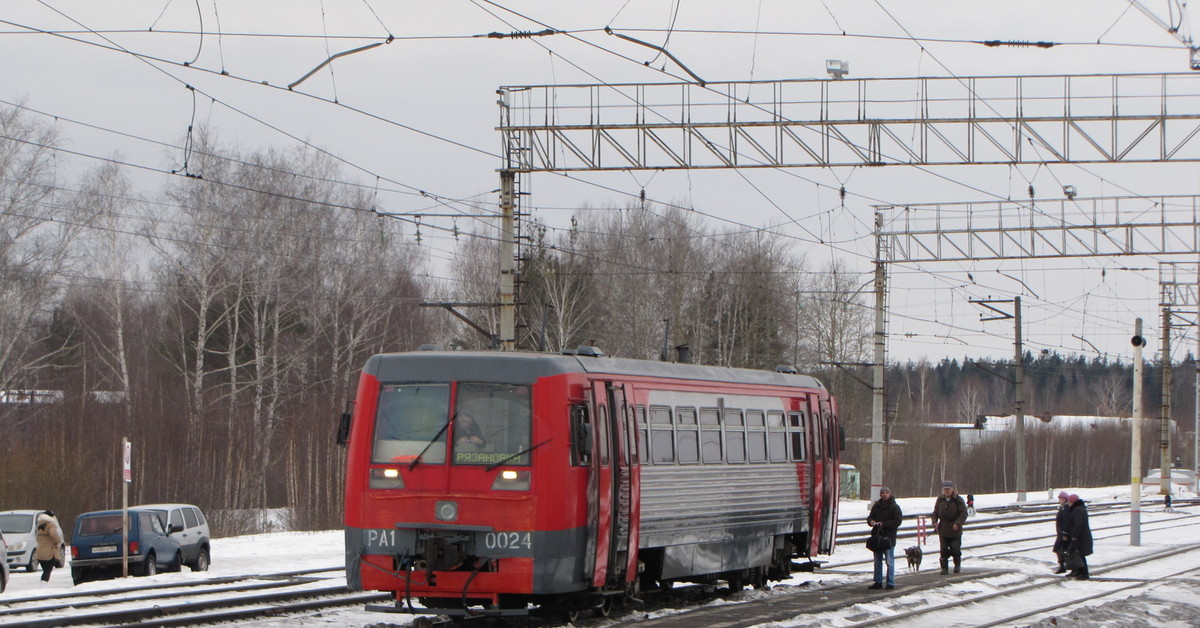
(442, 496)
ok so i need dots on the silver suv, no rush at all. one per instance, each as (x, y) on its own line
(186, 524)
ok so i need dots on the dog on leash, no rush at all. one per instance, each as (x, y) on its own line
(913, 554)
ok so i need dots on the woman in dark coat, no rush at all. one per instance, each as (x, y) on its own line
(886, 516)
(1081, 536)
(1062, 536)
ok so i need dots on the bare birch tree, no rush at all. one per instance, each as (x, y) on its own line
(37, 229)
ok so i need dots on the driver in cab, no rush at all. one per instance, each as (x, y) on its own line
(468, 434)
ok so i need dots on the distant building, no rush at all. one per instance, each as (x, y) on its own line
(30, 396)
(989, 427)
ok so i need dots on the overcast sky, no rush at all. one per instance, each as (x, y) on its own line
(415, 120)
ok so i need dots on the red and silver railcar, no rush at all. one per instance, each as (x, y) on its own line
(496, 482)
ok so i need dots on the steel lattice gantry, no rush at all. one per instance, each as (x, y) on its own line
(1052, 228)
(1083, 227)
(863, 122)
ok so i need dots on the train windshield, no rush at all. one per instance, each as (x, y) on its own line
(491, 424)
(412, 419)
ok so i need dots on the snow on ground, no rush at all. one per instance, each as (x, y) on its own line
(1174, 602)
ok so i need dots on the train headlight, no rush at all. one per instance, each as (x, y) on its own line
(385, 478)
(510, 480)
(446, 511)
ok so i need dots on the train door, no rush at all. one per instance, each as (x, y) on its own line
(832, 476)
(616, 489)
(816, 467)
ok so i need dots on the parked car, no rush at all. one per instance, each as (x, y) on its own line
(192, 534)
(20, 531)
(96, 545)
(3, 565)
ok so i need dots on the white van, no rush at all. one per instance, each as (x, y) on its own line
(186, 524)
(20, 532)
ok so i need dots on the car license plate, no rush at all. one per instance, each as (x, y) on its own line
(104, 549)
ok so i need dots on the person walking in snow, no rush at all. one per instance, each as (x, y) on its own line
(1062, 538)
(1081, 537)
(49, 553)
(885, 518)
(949, 514)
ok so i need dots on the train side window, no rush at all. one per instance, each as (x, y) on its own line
(735, 436)
(685, 416)
(756, 446)
(605, 434)
(643, 443)
(735, 446)
(688, 447)
(756, 436)
(632, 455)
(710, 416)
(777, 439)
(660, 415)
(662, 446)
(830, 436)
(796, 424)
(710, 445)
(818, 435)
(754, 418)
(581, 435)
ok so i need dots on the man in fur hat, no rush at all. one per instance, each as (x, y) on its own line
(949, 515)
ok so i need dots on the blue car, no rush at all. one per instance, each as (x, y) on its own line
(96, 545)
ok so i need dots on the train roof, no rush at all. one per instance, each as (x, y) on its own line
(525, 368)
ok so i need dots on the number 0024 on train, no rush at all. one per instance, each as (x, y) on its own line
(499, 482)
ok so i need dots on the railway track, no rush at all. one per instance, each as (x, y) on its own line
(302, 593)
(1014, 602)
(227, 599)
(999, 596)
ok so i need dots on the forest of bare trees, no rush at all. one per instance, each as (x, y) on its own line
(219, 321)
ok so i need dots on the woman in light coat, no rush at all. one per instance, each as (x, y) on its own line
(49, 553)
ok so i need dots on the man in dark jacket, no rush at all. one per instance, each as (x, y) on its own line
(949, 514)
(1062, 535)
(1081, 536)
(885, 518)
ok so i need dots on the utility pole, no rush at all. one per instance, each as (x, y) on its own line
(878, 367)
(1135, 458)
(1018, 381)
(508, 301)
(1183, 293)
(1164, 442)
(1019, 401)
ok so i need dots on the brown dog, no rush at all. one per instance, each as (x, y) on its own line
(913, 554)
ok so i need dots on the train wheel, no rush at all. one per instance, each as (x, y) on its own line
(422, 622)
(758, 578)
(736, 581)
(606, 607)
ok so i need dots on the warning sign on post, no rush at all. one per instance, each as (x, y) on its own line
(128, 461)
